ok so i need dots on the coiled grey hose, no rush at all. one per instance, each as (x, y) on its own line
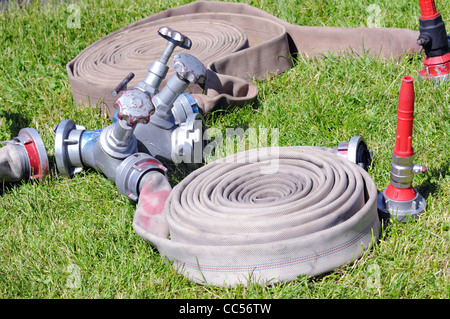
(268, 215)
(235, 41)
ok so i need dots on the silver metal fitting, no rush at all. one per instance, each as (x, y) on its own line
(32, 154)
(166, 143)
(189, 68)
(175, 131)
(403, 170)
(68, 155)
(356, 151)
(174, 39)
(403, 211)
(132, 169)
(133, 107)
(103, 149)
(183, 106)
(158, 69)
(118, 140)
(75, 148)
(156, 73)
(402, 174)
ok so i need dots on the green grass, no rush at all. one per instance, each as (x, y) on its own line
(53, 230)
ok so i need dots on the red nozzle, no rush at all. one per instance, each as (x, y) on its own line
(427, 9)
(405, 117)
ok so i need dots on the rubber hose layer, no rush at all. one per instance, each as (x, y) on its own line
(268, 216)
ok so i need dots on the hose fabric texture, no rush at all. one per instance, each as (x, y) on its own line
(152, 196)
(13, 167)
(237, 43)
(267, 215)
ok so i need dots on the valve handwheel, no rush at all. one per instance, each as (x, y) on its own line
(134, 106)
(189, 68)
(174, 39)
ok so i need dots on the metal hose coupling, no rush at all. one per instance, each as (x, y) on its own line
(131, 172)
(400, 199)
(106, 148)
(356, 151)
(24, 157)
(175, 131)
(163, 124)
(112, 150)
(435, 42)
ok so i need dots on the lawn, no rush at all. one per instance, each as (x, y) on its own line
(73, 238)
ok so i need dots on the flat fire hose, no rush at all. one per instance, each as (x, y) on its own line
(237, 43)
(266, 216)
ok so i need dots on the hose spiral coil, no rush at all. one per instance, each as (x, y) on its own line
(269, 215)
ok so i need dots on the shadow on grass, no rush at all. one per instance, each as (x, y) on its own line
(7, 187)
(431, 186)
(16, 122)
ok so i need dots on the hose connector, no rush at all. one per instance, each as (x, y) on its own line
(131, 171)
(25, 157)
(400, 199)
(356, 151)
(435, 42)
(74, 147)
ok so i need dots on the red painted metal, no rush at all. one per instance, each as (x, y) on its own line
(405, 117)
(428, 9)
(435, 67)
(33, 156)
(403, 146)
(400, 194)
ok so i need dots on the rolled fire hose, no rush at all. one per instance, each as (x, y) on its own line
(264, 216)
(236, 42)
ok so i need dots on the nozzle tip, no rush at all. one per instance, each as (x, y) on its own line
(408, 79)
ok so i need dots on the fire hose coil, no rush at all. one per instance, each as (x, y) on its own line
(237, 43)
(268, 215)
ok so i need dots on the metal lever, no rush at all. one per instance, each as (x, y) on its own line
(123, 85)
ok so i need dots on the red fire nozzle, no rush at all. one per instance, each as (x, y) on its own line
(400, 198)
(403, 144)
(405, 117)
